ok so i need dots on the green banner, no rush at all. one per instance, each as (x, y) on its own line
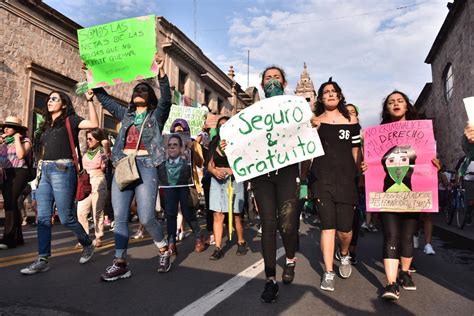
(119, 52)
(194, 116)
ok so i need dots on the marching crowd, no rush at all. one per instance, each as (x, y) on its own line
(334, 182)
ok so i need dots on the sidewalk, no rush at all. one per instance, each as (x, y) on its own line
(440, 224)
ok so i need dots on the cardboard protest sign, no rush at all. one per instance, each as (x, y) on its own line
(176, 170)
(400, 176)
(119, 52)
(469, 105)
(269, 135)
(194, 116)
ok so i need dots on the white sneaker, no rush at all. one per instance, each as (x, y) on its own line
(416, 242)
(429, 250)
(364, 226)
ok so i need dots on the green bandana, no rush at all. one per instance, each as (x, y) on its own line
(173, 169)
(139, 118)
(92, 152)
(272, 88)
(9, 140)
(398, 173)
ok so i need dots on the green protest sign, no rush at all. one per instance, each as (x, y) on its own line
(194, 116)
(120, 51)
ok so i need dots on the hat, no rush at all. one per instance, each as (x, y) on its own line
(13, 121)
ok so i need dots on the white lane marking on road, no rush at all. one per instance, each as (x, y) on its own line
(213, 298)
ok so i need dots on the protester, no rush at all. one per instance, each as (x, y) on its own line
(398, 227)
(180, 196)
(276, 198)
(333, 177)
(57, 176)
(95, 161)
(222, 179)
(144, 110)
(15, 169)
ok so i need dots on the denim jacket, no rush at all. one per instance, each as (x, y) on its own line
(151, 136)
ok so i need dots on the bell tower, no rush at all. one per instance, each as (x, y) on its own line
(305, 87)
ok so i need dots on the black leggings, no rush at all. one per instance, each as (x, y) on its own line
(14, 184)
(275, 195)
(398, 231)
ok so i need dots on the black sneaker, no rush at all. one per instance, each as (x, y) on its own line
(288, 273)
(412, 268)
(242, 249)
(392, 292)
(354, 260)
(218, 253)
(165, 261)
(118, 270)
(270, 293)
(406, 281)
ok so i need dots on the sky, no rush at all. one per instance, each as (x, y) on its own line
(369, 47)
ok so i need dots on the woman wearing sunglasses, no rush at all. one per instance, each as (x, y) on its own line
(57, 177)
(144, 110)
(95, 161)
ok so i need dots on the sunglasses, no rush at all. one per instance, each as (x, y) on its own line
(54, 99)
(89, 139)
(141, 89)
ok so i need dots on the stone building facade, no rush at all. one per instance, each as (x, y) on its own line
(452, 65)
(39, 53)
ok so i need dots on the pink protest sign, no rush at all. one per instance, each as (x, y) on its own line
(401, 177)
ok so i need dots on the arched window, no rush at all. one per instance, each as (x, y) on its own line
(448, 82)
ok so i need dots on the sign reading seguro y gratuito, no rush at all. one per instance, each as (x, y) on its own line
(194, 116)
(119, 52)
(271, 134)
(401, 176)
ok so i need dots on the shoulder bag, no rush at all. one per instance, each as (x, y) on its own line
(83, 186)
(126, 171)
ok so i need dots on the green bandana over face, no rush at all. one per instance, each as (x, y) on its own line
(398, 173)
(272, 88)
(9, 140)
(139, 118)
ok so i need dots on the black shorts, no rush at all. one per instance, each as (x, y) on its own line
(335, 215)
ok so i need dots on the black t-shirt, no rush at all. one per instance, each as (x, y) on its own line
(334, 173)
(55, 140)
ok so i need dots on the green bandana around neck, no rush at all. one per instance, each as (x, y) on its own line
(398, 173)
(92, 152)
(9, 140)
(272, 88)
(139, 118)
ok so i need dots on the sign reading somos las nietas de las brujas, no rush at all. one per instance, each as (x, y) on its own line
(119, 52)
(269, 135)
(401, 176)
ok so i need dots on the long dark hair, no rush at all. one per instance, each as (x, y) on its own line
(411, 113)
(407, 149)
(65, 112)
(217, 139)
(97, 133)
(319, 109)
(152, 101)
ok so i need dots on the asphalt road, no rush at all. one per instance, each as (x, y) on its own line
(197, 285)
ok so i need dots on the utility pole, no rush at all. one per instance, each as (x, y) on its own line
(248, 68)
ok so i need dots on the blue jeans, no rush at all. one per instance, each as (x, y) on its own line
(145, 190)
(57, 185)
(173, 196)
